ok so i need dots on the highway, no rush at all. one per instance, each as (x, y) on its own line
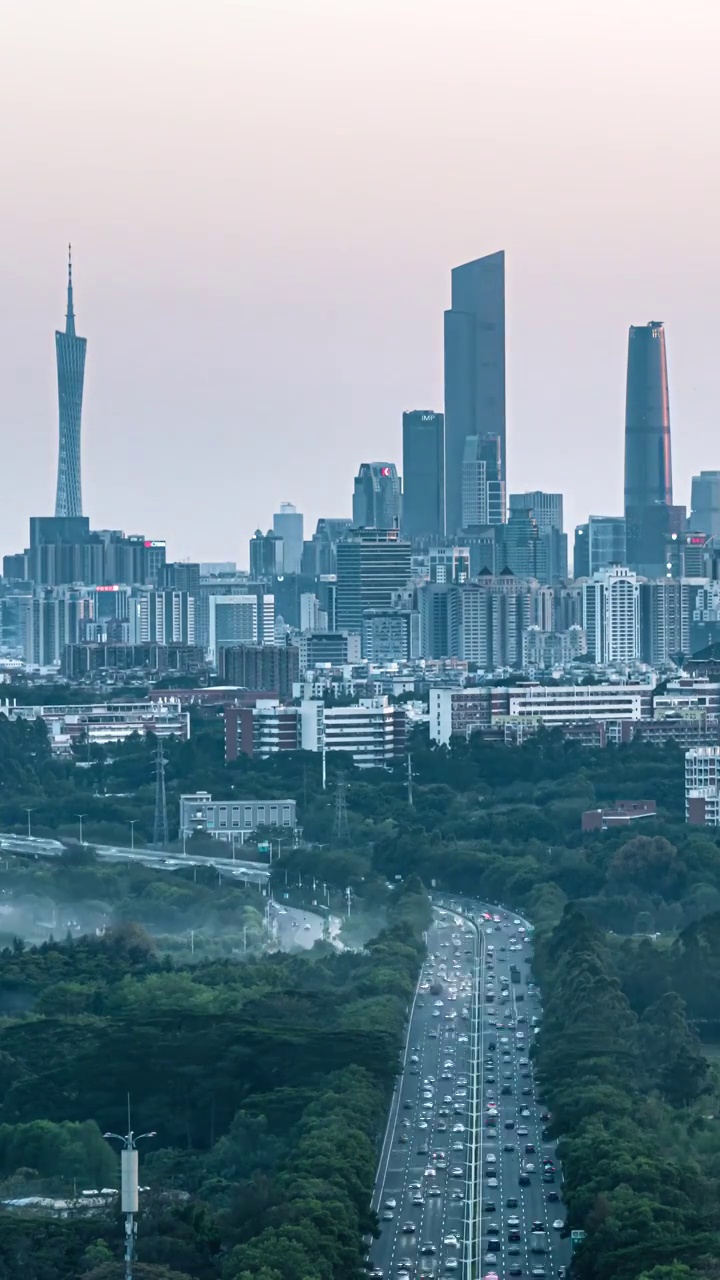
(241, 869)
(466, 1185)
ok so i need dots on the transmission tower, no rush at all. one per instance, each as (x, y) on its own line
(160, 830)
(341, 828)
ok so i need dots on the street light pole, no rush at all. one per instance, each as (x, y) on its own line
(28, 812)
(129, 1200)
(132, 833)
(80, 817)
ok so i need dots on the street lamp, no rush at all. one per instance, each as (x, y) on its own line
(129, 1200)
(132, 833)
(80, 817)
(28, 812)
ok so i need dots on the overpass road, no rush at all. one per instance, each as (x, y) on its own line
(466, 1183)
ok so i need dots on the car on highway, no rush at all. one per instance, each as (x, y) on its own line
(408, 1228)
(558, 1224)
(428, 1249)
(451, 1264)
(387, 1215)
(490, 1258)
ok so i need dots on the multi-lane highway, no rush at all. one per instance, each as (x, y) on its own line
(466, 1183)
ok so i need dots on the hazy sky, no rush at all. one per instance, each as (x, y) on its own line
(265, 198)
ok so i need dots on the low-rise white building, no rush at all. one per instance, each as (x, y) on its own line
(105, 722)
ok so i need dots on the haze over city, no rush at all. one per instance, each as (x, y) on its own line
(265, 201)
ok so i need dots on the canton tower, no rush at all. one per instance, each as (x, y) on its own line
(70, 351)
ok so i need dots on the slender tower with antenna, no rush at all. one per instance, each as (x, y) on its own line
(70, 351)
(160, 830)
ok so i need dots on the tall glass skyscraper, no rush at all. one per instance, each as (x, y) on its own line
(474, 370)
(70, 352)
(423, 501)
(648, 463)
(705, 503)
(377, 496)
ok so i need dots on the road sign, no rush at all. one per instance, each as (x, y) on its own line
(576, 1238)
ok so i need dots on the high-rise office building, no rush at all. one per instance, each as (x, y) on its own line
(547, 508)
(240, 619)
(423, 500)
(581, 551)
(288, 525)
(705, 503)
(372, 566)
(320, 552)
(70, 352)
(266, 554)
(483, 488)
(598, 544)
(377, 496)
(547, 511)
(648, 463)
(448, 564)
(474, 370)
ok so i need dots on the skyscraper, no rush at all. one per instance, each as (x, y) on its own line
(705, 502)
(607, 543)
(70, 352)
(288, 525)
(423, 502)
(377, 496)
(547, 508)
(483, 490)
(474, 370)
(372, 566)
(648, 464)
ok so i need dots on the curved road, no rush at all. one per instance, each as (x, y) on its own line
(466, 1185)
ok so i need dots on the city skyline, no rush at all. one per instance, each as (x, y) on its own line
(288, 336)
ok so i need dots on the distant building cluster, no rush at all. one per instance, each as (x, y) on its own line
(436, 582)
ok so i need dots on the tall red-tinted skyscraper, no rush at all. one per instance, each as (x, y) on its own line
(474, 370)
(649, 513)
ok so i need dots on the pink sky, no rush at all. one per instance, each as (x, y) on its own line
(265, 199)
